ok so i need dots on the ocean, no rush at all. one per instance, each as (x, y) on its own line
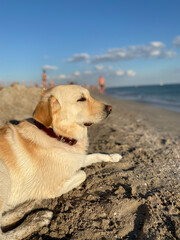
(164, 96)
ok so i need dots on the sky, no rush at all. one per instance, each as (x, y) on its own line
(129, 42)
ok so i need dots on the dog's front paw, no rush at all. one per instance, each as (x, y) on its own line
(115, 157)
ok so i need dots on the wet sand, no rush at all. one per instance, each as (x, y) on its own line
(137, 198)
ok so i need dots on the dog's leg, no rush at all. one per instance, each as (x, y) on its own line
(99, 157)
(32, 224)
(19, 212)
(4, 190)
(73, 182)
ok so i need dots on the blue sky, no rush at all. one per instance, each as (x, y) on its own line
(129, 42)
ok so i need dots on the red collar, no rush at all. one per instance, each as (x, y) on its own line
(51, 133)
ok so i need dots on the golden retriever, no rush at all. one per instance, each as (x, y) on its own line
(41, 158)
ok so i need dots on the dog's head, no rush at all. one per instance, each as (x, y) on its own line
(69, 109)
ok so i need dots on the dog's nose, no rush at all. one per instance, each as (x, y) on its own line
(108, 108)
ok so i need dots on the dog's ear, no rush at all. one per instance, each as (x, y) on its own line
(54, 106)
(45, 110)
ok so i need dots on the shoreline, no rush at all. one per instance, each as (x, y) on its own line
(156, 105)
(165, 96)
(166, 122)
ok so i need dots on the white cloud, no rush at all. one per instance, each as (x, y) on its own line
(152, 50)
(77, 74)
(91, 77)
(168, 54)
(121, 54)
(176, 41)
(131, 73)
(99, 67)
(103, 58)
(119, 72)
(157, 44)
(155, 53)
(62, 76)
(79, 57)
(48, 67)
(88, 72)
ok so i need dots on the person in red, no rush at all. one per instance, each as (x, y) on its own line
(44, 79)
(101, 84)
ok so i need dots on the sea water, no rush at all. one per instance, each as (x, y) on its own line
(164, 96)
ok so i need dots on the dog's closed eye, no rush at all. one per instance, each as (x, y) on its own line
(82, 99)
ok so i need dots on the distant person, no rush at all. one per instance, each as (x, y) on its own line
(31, 85)
(36, 85)
(51, 84)
(92, 87)
(1, 86)
(85, 86)
(44, 79)
(12, 84)
(101, 84)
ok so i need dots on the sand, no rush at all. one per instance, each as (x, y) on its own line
(137, 198)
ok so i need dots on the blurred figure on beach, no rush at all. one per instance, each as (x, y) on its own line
(85, 85)
(12, 84)
(92, 88)
(31, 85)
(44, 79)
(101, 84)
(1, 86)
(51, 84)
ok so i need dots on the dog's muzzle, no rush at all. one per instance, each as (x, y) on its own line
(107, 110)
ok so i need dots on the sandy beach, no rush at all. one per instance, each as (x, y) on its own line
(137, 198)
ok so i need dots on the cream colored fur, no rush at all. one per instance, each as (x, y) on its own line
(34, 166)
